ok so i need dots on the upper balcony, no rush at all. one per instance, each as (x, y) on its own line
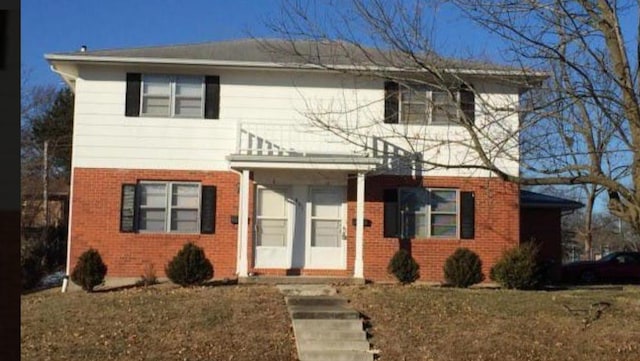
(272, 144)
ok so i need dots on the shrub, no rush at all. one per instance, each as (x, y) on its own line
(463, 268)
(518, 268)
(404, 267)
(189, 267)
(89, 270)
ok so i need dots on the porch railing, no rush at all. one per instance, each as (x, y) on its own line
(289, 139)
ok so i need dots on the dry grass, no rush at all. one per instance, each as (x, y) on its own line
(422, 323)
(162, 322)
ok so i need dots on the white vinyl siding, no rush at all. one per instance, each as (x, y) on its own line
(172, 96)
(169, 207)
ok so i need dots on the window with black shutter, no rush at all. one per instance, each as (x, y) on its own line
(168, 207)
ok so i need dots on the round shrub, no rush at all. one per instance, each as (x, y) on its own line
(463, 268)
(89, 270)
(518, 268)
(404, 267)
(190, 266)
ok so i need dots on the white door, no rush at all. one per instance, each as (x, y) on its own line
(272, 228)
(326, 231)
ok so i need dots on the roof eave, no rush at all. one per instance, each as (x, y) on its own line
(533, 75)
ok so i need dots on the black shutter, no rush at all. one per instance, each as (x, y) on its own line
(132, 99)
(208, 210)
(128, 208)
(391, 213)
(467, 104)
(212, 97)
(391, 99)
(467, 215)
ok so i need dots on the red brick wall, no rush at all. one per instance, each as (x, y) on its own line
(96, 222)
(496, 225)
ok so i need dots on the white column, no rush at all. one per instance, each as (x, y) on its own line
(358, 270)
(243, 225)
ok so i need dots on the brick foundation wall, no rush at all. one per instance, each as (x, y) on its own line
(496, 224)
(96, 222)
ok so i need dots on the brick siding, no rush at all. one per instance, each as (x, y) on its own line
(96, 223)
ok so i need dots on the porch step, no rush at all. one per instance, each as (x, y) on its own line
(328, 334)
(301, 280)
(316, 301)
(325, 327)
(323, 313)
(335, 355)
(346, 345)
(328, 326)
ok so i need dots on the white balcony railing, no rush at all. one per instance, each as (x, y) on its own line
(289, 139)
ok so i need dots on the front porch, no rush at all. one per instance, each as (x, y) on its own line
(292, 214)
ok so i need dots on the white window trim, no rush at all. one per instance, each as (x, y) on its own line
(173, 96)
(428, 212)
(428, 107)
(168, 195)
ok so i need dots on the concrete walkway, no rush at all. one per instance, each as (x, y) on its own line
(325, 326)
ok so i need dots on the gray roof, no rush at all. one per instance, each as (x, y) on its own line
(302, 52)
(530, 199)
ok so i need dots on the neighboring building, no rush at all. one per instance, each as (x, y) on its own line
(211, 143)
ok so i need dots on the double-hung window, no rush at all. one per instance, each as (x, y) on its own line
(169, 207)
(172, 96)
(426, 213)
(425, 105)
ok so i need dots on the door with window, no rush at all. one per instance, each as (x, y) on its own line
(325, 228)
(272, 228)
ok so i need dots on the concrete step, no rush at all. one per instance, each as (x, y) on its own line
(331, 355)
(323, 312)
(317, 301)
(314, 334)
(326, 326)
(344, 345)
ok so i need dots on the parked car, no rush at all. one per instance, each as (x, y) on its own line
(614, 267)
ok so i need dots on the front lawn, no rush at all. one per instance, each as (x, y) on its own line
(424, 323)
(162, 322)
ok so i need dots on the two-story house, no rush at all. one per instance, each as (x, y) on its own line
(278, 167)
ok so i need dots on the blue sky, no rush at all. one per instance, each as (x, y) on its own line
(64, 25)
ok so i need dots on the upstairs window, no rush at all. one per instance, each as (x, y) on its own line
(175, 96)
(172, 96)
(422, 105)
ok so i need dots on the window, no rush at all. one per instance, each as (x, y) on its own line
(426, 105)
(429, 212)
(423, 105)
(169, 207)
(172, 96)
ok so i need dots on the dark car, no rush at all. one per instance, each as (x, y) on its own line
(614, 267)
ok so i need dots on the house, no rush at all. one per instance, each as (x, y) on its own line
(276, 166)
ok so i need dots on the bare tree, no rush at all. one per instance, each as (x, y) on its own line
(580, 127)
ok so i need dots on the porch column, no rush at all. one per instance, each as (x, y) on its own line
(358, 270)
(243, 225)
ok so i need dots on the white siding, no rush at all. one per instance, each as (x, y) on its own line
(104, 137)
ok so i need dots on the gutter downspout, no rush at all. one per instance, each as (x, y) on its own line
(65, 280)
